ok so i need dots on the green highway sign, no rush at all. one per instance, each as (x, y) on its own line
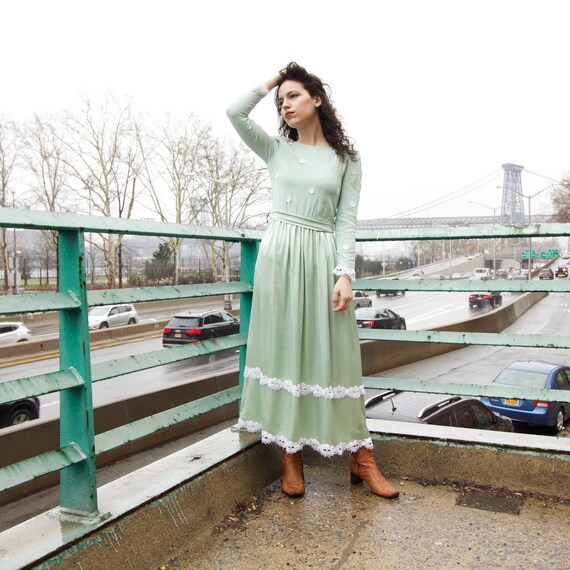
(550, 254)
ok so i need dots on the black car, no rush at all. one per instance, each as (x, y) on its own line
(546, 273)
(479, 299)
(379, 319)
(562, 271)
(435, 409)
(194, 326)
(19, 411)
(387, 293)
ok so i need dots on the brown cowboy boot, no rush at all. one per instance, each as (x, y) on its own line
(293, 482)
(363, 467)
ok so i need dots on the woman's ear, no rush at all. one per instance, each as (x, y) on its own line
(318, 101)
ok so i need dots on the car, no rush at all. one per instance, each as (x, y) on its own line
(562, 271)
(456, 276)
(490, 298)
(436, 277)
(533, 374)
(379, 319)
(107, 316)
(361, 299)
(380, 292)
(482, 273)
(435, 409)
(419, 274)
(546, 273)
(501, 274)
(15, 331)
(565, 255)
(19, 411)
(195, 326)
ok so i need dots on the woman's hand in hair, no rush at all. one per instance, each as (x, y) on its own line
(273, 82)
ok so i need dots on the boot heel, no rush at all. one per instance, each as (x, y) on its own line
(355, 479)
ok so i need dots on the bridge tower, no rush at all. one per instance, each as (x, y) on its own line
(512, 208)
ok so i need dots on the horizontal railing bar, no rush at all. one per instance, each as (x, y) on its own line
(476, 390)
(36, 220)
(37, 302)
(500, 285)
(138, 362)
(163, 293)
(34, 467)
(37, 385)
(151, 424)
(468, 338)
(465, 232)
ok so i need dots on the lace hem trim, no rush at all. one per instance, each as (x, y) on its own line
(324, 449)
(342, 270)
(298, 390)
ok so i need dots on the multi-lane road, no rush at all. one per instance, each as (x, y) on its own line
(422, 310)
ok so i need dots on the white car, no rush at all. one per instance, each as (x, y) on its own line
(107, 316)
(482, 273)
(361, 299)
(14, 332)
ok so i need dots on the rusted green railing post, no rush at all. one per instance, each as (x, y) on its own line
(78, 486)
(247, 268)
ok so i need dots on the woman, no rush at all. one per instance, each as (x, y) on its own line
(303, 374)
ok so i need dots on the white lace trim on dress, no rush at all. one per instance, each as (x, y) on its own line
(342, 270)
(298, 390)
(324, 449)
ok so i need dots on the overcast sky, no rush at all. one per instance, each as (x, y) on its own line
(436, 94)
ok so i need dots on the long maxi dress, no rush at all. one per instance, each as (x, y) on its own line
(303, 374)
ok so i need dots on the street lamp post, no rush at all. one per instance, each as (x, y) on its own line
(494, 239)
(529, 197)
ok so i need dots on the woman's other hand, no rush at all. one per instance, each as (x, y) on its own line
(342, 294)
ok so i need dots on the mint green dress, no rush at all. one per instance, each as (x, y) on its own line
(303, 375)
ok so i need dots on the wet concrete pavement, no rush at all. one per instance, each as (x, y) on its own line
(340, 526)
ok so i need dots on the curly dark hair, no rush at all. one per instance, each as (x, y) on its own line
(330, 122)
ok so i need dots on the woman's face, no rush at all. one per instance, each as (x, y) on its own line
(297, 106)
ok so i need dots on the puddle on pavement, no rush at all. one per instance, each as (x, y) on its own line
(491, 501)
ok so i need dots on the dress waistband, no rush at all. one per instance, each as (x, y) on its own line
(303, 222)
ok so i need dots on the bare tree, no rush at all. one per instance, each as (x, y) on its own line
(561, 201)
(234, 191)
(44, 156)
(9, 152)
(104, 160)
(170, 174)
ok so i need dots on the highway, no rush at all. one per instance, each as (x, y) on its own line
(480, 364)
(422, 310)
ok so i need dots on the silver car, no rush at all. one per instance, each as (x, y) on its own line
(14, 332)
(361, 299)
(107, 316)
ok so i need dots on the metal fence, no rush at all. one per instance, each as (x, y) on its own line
(78, 447)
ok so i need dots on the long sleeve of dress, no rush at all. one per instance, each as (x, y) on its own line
(345, 226)
(250, 132)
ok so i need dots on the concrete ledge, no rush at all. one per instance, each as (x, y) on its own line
(177, 499)
(515, 461)
(180, 499)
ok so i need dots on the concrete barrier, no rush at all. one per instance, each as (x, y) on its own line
(378, 356)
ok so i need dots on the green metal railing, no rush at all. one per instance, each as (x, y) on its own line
(75, 457)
